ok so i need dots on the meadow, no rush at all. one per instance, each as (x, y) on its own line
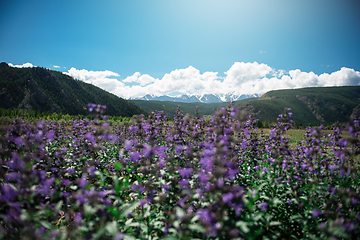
(189, 178)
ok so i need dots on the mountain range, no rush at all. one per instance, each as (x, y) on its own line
(194, 98)
(309, 105)
(44, 90)
(169, 107)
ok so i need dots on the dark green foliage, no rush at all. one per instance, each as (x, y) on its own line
(43, 90)
(310, 105)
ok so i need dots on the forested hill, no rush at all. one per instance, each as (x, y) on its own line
(309, 105)
(44, 90)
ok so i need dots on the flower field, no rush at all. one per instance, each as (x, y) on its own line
(188, 178)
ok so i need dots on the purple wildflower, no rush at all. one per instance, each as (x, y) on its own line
(134, 156)
(83, 182)
(147, 151)
(19, 141)
(66, 182)
(342, 173)
(8, 193)
(227, 197)
(184, 182)
(128, 145)
(220, 182)
(203, 177)
(80, 198)
(204, 215)
(16, 163)
(185, 172)
(50, 135)
(41, 124)
(316, 213)
(119, 236)
(70, 170)
(179, 149)
(110, 137)
(343, 143)
(77, 218)
(349, 226)
(90, 137)
(244, 144)
(39, 136)
(333, 168)
(263, 206)
(238, 208)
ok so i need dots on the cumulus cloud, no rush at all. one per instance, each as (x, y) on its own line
(343, 77)
(298, 79)
(25, 65)
(241, 78)
(144, 79)
(98, 78)
(188, 80)
(55, 66)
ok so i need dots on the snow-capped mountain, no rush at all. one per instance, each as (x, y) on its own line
(206, 98)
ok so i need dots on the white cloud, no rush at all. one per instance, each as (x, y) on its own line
(240, 73)
(241, 78)
(299, 79)
(55, 66)
(188, 80)
(98, 78)
(144, 79)
(343, 77)
(25, 65)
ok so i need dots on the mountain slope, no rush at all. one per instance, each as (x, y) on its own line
(169, 107)
(309, 105)
(206, 98)
(44, 90)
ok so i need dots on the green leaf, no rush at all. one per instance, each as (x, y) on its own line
(114, 212)
(276, 201)
(170, 237)
(46, 224)
(250, 206)
(118, 187)
(129, 209)
(257, 217)
(138, 178)
(112, 228)
(118, 167)
(99, 233)
(89, 210)
(297, 216)
(275, 223)
(243, 226)
(180, 212)
(58, 205)
(197, 228)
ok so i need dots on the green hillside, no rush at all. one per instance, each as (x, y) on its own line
(44, 90)
(169, 108)
(309, 105)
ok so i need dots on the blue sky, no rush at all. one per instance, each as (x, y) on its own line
(157, 46)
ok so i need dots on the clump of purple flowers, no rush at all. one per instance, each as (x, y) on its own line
(153, 178)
